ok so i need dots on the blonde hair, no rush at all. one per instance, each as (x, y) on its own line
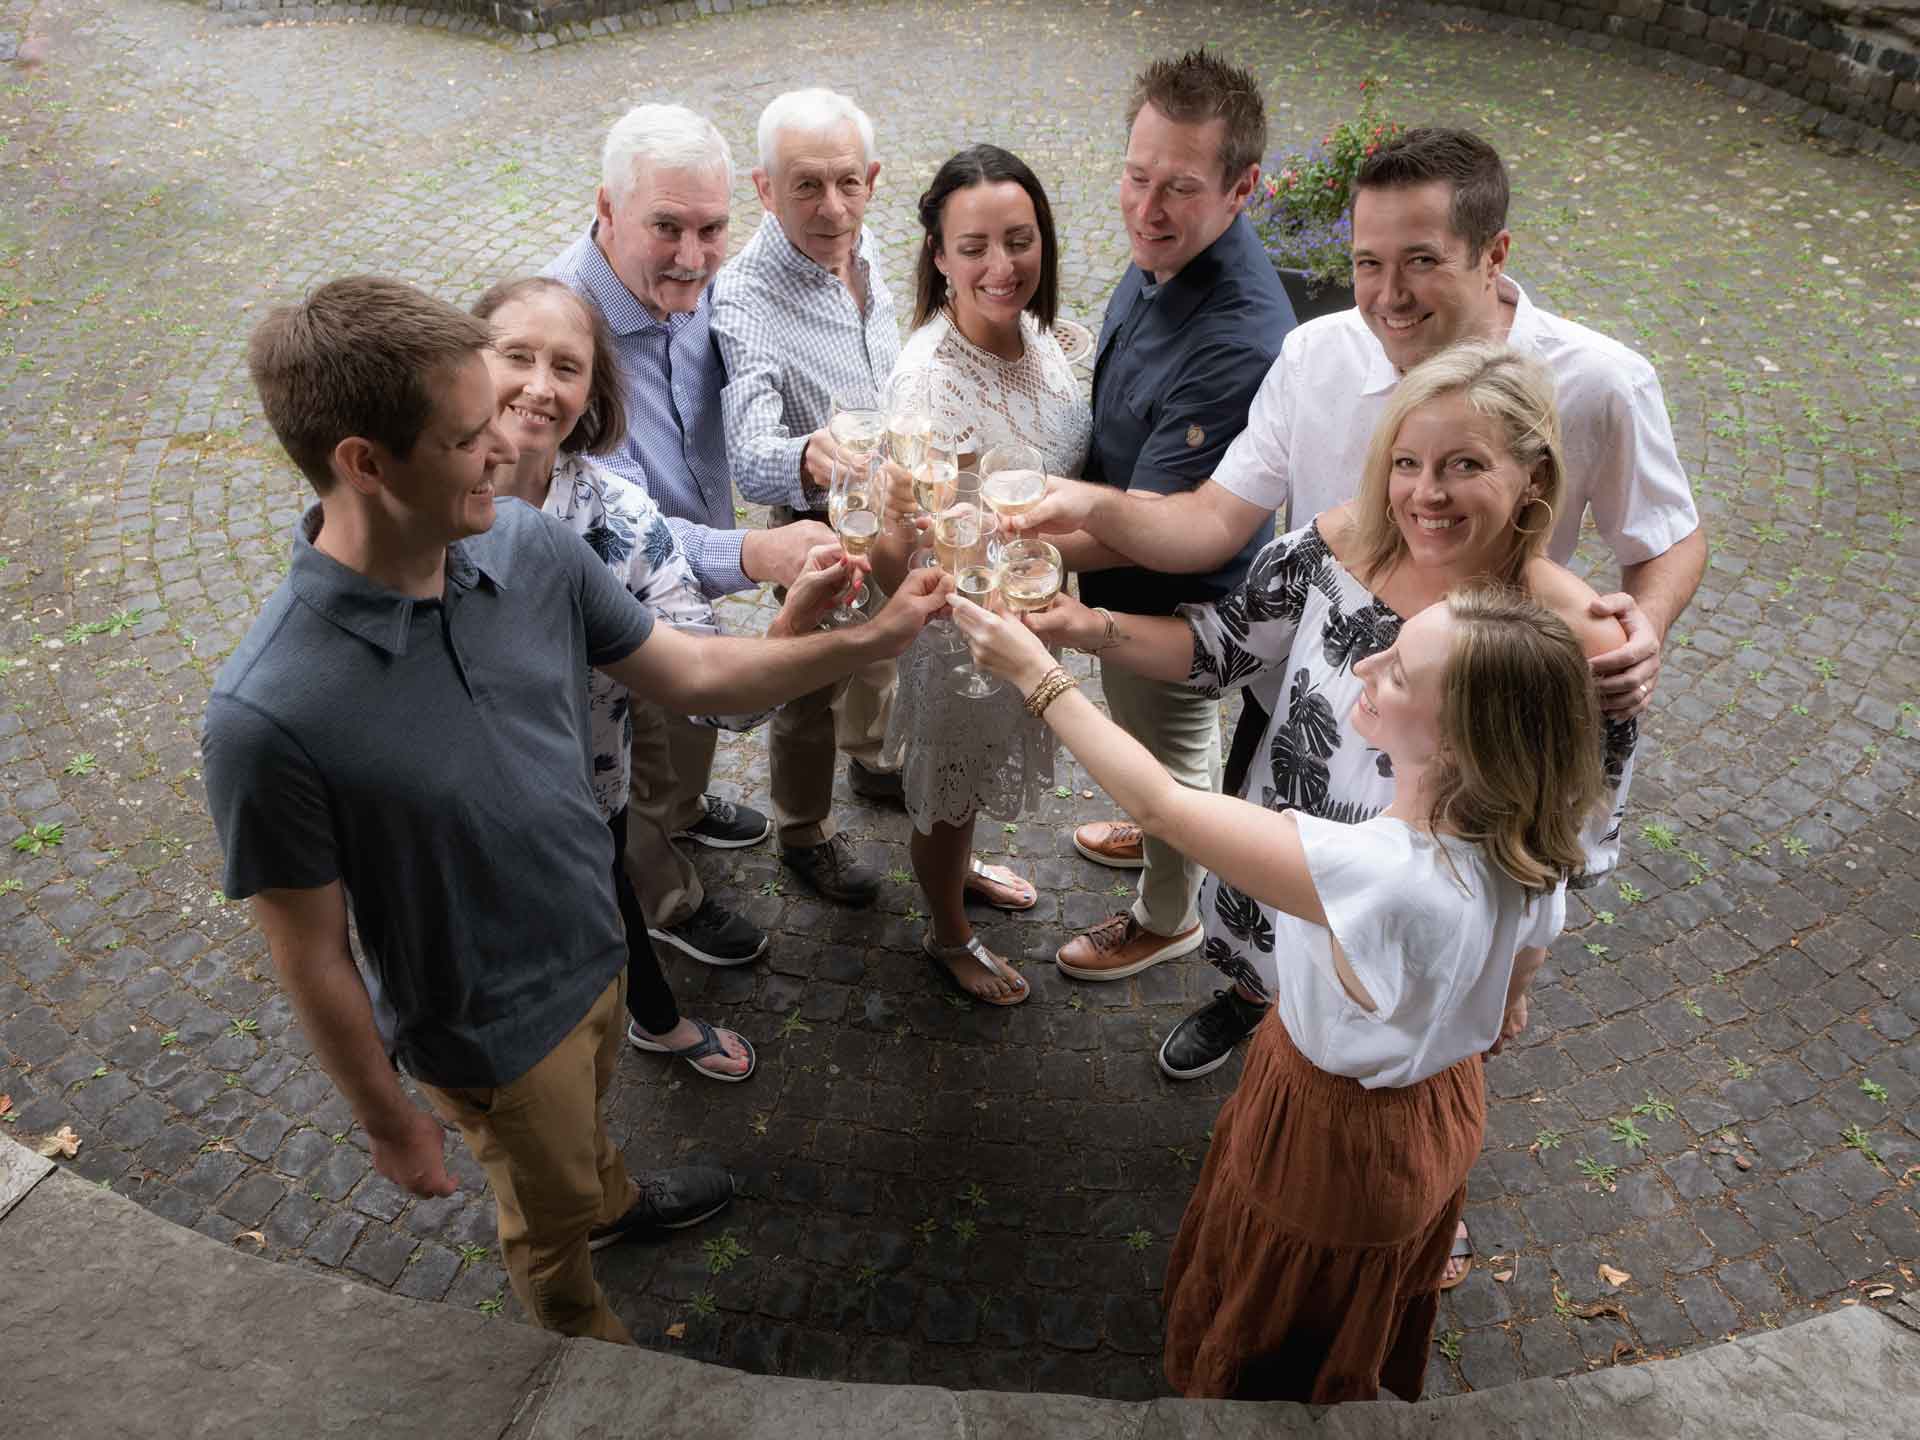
(1520, 760)
(1501, 384)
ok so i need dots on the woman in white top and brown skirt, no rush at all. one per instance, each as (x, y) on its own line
(1308, 1264)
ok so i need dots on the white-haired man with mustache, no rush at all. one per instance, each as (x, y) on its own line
(647, 263)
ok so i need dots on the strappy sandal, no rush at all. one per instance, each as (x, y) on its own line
(708, 1044)
(1462, 1250)
(939, 955)
(999, 886)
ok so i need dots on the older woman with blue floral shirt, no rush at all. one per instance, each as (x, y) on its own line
(558, 387)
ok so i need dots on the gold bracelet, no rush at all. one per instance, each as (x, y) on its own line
(1112, 636)
(1055, 683)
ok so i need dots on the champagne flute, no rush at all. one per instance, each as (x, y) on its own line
(853, 509)
(909, 418)
(1030, 574)
(939, 471)
(856, 425)
(961, 540)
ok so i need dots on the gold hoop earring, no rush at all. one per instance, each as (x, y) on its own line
(1392, 519)
(1534, 500)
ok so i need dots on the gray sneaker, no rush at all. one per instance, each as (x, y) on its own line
(714, 935)
(727, 826)
(669, 1200)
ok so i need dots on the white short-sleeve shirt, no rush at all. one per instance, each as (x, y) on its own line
(1431, 937)
(1307, 433)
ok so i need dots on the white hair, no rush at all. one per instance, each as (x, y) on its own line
(671, 137)
(810, 112)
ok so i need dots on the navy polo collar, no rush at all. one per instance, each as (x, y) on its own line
(348, 599)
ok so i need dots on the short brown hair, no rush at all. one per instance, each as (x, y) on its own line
(1460, 159)
(358, 356)
(1199, 87)
(603, 424)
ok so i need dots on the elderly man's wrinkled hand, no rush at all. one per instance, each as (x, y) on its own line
(827, 575)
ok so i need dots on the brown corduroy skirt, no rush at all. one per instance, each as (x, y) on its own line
(1309, 1260)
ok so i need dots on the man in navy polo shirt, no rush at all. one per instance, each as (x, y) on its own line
(1189, 333)
(404, 728)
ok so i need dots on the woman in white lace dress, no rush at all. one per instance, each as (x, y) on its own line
(988, 288)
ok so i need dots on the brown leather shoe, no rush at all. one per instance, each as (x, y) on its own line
(1119, 946)
(1118, 843)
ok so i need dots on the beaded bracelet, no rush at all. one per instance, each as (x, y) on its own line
(1055, 683)
(1112, 636)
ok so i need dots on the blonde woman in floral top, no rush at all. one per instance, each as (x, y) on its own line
(554, 377)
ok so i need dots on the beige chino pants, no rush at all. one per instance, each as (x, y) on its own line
(1181, 728)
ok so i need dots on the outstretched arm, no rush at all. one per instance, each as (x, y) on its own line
(1255, 850)
(1183, 534)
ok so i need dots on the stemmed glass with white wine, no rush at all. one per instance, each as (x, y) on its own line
(1030, 574)
(854, 500)
(1013, 479)
(962, 533)
(856, 425)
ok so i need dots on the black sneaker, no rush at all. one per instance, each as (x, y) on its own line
(727, 826)
(669, 1200)
(714, 935)
(1201, 1043)
(874, 784)
(833, 871)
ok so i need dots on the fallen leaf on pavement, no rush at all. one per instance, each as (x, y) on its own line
(6, 1103)
(677, 1330)
(1503, 1276)
(1741, 1162)
(1613, 1277)
(1623, 1350)
(63, 1142)
(253, 1235)
(1880, 1292)
(1597, 1309)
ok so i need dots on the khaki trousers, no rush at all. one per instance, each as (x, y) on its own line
(672, 763)
(1181, 727)
(553, 1171)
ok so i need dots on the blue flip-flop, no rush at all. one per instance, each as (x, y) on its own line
(707, 1044)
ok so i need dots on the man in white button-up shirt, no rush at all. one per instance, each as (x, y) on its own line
(801, 316)
(1430, 251)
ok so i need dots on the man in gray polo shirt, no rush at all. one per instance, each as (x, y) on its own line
(404, 729)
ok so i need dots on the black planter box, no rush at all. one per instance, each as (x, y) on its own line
(1309, 302)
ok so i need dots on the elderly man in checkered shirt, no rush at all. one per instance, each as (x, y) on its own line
(647, 263)
(801, 315)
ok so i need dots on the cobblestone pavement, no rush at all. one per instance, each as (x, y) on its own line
(1718, 1091)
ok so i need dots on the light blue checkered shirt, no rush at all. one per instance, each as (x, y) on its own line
(792, 339)
(676, 446)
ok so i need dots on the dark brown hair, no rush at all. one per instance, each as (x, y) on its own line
(603, 424)
(983, 165)
(1468, 165)
(359, 356)
(1199, 87)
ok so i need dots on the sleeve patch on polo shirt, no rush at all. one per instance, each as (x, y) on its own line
(1196, 437)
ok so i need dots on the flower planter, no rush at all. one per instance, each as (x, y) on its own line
(1309, 301)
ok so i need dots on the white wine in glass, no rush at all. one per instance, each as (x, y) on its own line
(858, 523)
(976, 582)
(907, 437)
(1029, 575)
(933, 485)
(1013, 492)
(956, 532)
(858, 432)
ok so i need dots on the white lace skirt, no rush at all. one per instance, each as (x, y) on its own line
(958, 757)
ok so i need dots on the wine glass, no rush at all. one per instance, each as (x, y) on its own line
(934, 479)
(853, 509)
(856, 425)
(1013, 478)
(961, 537)
(1030, 574)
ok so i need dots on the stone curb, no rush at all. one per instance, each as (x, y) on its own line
(115, 1321)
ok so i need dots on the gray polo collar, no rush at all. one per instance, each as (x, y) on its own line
(377, 615)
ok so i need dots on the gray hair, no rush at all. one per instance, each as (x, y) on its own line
(671, 137)
(810, 112)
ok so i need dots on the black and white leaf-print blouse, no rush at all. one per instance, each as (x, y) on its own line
(1293, 630)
